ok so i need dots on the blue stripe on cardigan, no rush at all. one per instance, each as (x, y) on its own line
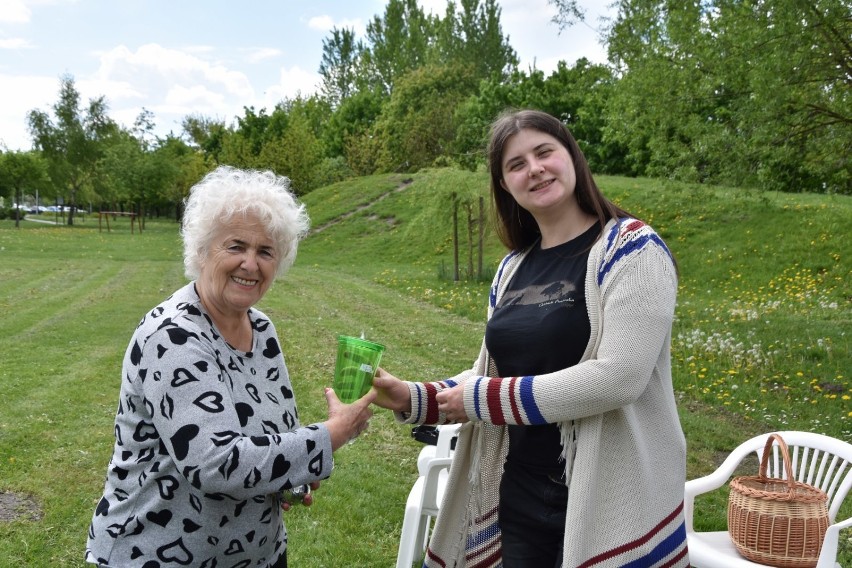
(525, 391)
(487, 534)
(476, 397)
(628, 248)
(493, 295)
(670, 544)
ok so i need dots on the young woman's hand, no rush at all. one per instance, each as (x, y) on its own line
(451, 404)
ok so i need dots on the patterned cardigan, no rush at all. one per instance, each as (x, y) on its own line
(624, 450)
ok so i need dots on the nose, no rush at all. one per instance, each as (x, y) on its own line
(249, 261)
(535, 169)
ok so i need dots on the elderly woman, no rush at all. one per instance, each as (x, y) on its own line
(207, 435)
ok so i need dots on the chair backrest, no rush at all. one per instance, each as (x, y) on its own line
(435, 479)
(446, 440)
(818, 460)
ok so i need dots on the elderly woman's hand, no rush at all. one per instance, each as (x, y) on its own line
(347, 421)
(391, 393)
(307, 499)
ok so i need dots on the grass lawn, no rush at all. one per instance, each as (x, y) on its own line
(761, 341)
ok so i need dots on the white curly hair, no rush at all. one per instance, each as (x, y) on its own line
(228, 191)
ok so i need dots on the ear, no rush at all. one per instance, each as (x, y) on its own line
(503, 185)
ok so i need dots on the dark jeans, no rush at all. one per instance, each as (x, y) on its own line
(281, 562)
(532, 518)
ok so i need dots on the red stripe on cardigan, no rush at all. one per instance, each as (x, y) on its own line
(636, 543)
(676, 559)
(488, 561)
(513, 401)
(432, 556)
(633, 226)
(492, 398)
(431, 404)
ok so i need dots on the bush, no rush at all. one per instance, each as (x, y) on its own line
(9, 213)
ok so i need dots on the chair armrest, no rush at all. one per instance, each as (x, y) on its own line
(828, 554)
(718, 478)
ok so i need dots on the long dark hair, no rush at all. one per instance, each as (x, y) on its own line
(516, 227)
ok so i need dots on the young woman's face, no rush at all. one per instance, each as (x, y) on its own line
(538, 172)
(239, 267)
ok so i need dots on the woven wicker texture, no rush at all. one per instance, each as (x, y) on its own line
(778, 522)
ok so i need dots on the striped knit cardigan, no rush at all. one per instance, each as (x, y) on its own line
(624, 450)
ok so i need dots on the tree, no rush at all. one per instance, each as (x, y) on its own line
(73, 144)
(726, 91)
(418, 124)
(189, 167)
(474, 36)
(134, 173)
(20, 171)
(339, 66)
(398, 44)
(576, 94)
(353, 118)
(207, 134)
(297, 154)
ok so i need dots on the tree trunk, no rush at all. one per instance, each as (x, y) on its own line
(469, 207)
(72, 207)
(455, 238)
(19, 194)
(481, 236)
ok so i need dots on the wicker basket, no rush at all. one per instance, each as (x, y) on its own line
(779, 522)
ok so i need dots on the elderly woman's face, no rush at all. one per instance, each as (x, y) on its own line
(239, 267)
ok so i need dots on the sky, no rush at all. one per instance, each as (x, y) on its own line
(212, 58)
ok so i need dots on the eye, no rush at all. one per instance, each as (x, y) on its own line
(544, 152)
(514, 166)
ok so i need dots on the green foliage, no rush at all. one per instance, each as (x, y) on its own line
(417, 126)
(341, 55)
(473, 36)
(352, 119)
(577, 95)
(20, 173)
(397, 44)
(296, 155)
(748, 93)
(73, 143)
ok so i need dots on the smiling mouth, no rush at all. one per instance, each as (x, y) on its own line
(243, 282)
(542, 185)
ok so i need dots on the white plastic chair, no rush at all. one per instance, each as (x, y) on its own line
(424, 499)
(817, 460)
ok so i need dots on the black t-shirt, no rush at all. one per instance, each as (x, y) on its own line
(541, 325)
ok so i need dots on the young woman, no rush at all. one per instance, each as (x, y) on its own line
(571, 454)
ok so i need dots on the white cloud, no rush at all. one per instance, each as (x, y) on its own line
(292, 82)
(21, 94)
(155, 61)
(321, 23)
(262, 53)
(197, 97)
(14, 12)
(15, 43)
(327, 23)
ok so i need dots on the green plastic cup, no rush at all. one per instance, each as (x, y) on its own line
(357, 362)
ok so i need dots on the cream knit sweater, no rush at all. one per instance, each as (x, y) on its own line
(624, 450)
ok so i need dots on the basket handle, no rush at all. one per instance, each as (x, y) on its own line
(785, 454)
